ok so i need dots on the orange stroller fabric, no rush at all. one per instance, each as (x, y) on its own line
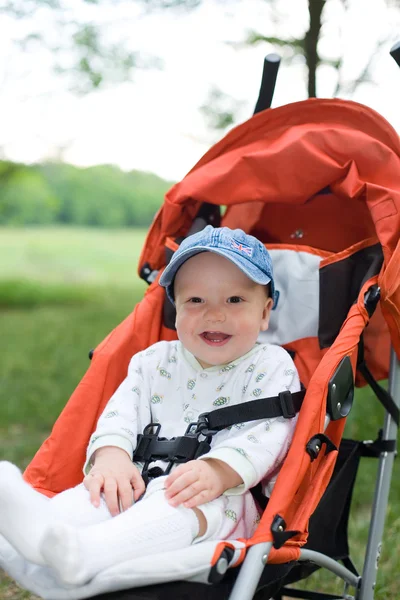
(269, 172)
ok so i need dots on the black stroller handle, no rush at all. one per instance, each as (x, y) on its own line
(395, 52)
(270, 71)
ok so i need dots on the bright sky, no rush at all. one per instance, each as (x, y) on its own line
(154, 123)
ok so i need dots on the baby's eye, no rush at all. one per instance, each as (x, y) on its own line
(235, 299)
(196, 300)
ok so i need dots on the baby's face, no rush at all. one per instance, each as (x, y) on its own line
(219, 310)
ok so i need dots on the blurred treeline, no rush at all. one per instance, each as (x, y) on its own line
(58, 193)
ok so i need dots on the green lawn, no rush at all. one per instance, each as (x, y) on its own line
(61, 292)
(71, 255)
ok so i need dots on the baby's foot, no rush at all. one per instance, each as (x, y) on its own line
(62, 551)
(23, 513)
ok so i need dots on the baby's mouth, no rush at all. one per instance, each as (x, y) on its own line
(215, 338)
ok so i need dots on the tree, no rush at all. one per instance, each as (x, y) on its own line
(25, 198)
(75, 38)
(79, 42)
(220, 109)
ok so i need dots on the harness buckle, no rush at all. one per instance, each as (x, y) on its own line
(150, 447)
(287, 404)
(203, 426)
(145, 441)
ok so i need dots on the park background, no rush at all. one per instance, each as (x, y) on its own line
(105, 105)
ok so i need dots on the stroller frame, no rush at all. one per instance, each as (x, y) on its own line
(364, 585)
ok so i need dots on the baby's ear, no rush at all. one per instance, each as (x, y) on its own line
(266, 314)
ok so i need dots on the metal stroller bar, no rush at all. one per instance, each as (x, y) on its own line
(332, 565)
(250, 572)
(257, 557)
(267, 88)
(382, 486)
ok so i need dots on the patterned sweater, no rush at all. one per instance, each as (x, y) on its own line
(166, 384)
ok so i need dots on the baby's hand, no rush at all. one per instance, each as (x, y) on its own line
(199, 481)
(114, 474)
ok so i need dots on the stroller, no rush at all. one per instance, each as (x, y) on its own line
(318, 182)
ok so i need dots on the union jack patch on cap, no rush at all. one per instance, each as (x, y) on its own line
(242, 247)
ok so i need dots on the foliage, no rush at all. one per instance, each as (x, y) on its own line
(75, 42)
(101, 196)
(27, 199)
(317, 43)
(220, 109)
(78, 43)
(23, 294)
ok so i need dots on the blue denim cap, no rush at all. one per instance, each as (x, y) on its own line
(245, 251)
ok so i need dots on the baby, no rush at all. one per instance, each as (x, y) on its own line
(221, 282)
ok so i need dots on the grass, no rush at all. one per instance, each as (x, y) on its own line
(27, 294)
(61, 292)
(73, 256)
(43, 355)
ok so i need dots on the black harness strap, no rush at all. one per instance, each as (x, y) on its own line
(286, 404)
(378, 447)
(383, 395)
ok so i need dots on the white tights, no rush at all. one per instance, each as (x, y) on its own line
(77, 540)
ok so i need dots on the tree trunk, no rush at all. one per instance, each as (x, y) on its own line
(315, 8)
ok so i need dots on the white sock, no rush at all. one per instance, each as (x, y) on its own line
(148, 527)
(24, 513)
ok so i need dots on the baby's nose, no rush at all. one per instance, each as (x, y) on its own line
(215, 315)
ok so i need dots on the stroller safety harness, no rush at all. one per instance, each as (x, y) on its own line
(196, 441)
